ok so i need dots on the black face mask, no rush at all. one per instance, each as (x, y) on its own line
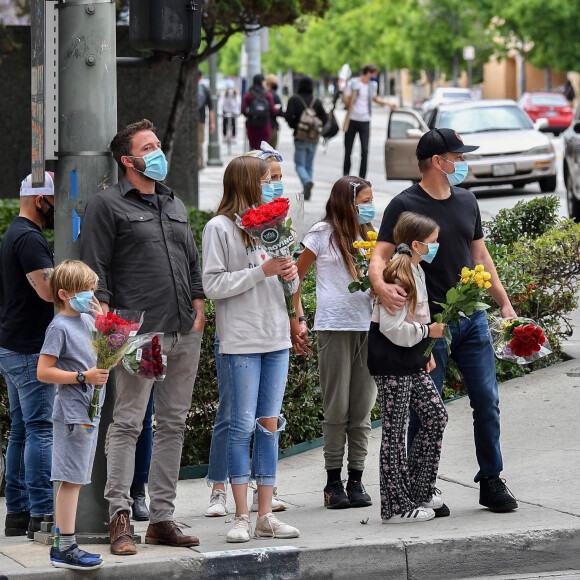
(47, 215)
(274, 87)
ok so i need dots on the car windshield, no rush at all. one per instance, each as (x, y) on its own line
(549, 100)
(482, 119)
(454, 95)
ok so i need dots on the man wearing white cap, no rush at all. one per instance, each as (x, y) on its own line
(26, 263)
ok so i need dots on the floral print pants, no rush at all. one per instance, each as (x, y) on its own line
(405, 484)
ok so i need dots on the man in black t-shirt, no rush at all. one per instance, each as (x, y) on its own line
(26, 262)
(461, 243)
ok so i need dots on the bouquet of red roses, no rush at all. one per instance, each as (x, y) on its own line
(519, 340)
(268, 225)
(110, 342)
(143, 357)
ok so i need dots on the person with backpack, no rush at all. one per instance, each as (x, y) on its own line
(258, 107)
(306, 115)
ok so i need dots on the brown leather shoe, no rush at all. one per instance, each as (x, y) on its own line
(122, 543)
(169, 534)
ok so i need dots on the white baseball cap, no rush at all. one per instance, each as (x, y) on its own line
(48, 189)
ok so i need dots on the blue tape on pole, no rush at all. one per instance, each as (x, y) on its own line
(74, 186)
(76, 225)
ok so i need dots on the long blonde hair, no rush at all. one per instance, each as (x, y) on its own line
(410, 227)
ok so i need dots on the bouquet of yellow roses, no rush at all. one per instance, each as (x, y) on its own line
(362, 260)
(462, 300)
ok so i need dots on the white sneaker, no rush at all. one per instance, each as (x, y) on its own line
(277, 505)
(270, 526)
(241, 530)
(435, 503)
(419, 514)
(217, 504)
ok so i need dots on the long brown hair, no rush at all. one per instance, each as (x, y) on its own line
(410, 227)
(242, 188)
(341, 215)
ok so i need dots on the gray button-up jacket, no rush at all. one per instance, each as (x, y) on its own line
(146, 258)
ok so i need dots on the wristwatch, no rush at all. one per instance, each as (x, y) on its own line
(302, 319)
(81, 378)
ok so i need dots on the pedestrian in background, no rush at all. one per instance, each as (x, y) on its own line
(252, 325)
(358, 96)
(342, 322)
(230, 109)
(461, 244)
(305, 146)
(397, 361)
(134, 232)
(258, 108)
(26, 309)
(272, 86)
(203, 103)
(68, 360)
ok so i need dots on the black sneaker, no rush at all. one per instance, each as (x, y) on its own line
(357, 494)
(308, 190)
(16, 524)
(495, 495)
(335, 496)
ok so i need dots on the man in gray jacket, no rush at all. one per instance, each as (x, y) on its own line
(136, 236)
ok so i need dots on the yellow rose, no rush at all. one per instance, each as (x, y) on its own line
(479, 268)
(478, 277)
(480, 283)
(486, 275)
(355, 245)
(465, 272)
(487, 284)
(372, 235)
(464, 280)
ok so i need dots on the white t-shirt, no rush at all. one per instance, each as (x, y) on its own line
(361, 108)
(336, 307)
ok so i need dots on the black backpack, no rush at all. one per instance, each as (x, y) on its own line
(258, 111)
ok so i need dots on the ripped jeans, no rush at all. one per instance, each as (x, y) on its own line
(258, 382)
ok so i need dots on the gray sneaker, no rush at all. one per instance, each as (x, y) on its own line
(217, 504)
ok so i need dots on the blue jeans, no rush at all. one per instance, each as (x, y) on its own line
(218, 456)
(304, 159)
(29, 454)
(144, 446)
(473, 354)
(258, 382)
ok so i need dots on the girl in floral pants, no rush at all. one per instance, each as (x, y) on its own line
(400, 368)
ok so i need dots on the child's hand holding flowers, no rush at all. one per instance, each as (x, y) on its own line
(362, 260)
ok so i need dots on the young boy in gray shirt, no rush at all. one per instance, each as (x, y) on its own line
(68, 360)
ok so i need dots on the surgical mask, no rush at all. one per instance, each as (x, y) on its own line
(374, 79)
(155, 165)
(459, 174)
(81, 301)
(365, 213)
(431, 253)
(278, 189)
(267, 192)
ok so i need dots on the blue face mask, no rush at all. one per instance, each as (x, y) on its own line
(155, 165)
(431, 253)
(365, 213)
(374, 79)
(267, 192)
(81, 301)
(459, 174)
(278, 189)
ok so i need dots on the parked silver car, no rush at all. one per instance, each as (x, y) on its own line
(571, 139)
(512, 150)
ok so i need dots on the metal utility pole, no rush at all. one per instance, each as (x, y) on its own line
(213, 147)
(87, 119)
(253, 46)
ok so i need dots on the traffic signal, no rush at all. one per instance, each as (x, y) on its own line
(169, 26)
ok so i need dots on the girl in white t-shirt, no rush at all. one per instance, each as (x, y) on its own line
(397, 361)
(342, 321)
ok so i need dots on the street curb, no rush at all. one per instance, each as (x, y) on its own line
(441, 559)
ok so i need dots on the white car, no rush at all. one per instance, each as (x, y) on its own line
(446, 95)
(512, 150)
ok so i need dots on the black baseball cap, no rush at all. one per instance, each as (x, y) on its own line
(438, 141)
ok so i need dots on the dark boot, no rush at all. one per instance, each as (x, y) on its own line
(140, 509)
(495, 495)
(35, 522)
(16, 524)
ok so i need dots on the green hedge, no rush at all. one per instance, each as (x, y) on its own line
(537, 258)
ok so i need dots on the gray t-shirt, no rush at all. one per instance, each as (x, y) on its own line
(69, 339)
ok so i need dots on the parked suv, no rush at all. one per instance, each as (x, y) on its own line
(571, 138)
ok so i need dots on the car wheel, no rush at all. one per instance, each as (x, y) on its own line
(573, 203)
(548, 184)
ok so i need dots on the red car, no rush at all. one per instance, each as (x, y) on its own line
(551, 106)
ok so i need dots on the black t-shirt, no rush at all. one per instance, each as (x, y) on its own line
(459, 223)
(24, 316)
